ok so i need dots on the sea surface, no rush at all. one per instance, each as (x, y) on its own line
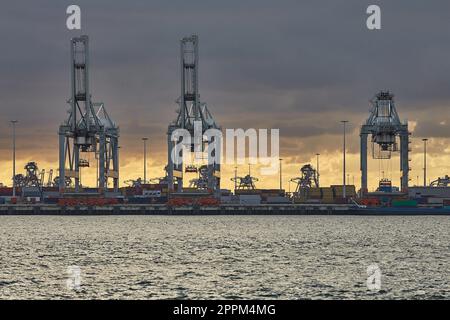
(224, 257)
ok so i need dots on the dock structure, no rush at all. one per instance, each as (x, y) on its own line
(228, 209)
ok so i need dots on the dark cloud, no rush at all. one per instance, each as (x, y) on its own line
(436, 128)
(297, 66)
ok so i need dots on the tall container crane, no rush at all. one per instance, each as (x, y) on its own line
(190, 109)
(88, 127)
(384, 126)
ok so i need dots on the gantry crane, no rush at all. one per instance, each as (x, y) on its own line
(384, 126)
(32, 178)
(244, 183)
(308, 179)
(88, 127)
(191, 110)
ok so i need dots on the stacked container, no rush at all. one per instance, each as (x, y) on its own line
(327, 195)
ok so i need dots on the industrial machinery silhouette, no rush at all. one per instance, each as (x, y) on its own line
(88, 127)
(139, 181)
(67, 181)
(19, 180)
(191, 169)
(49, 179)
(307, 179)
(201, 182)
(162, 180)
(384, 126)
(134, 183)
(245, 183)
(32, 178)
(441, 182)
(32, 173)
(191, 112)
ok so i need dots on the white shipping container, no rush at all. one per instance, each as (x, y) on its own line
(33, 199)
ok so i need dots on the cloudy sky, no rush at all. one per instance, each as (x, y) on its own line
(300, 66)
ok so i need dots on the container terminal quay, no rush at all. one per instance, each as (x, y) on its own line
(90, 129)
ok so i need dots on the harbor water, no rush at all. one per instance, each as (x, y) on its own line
(224, 257)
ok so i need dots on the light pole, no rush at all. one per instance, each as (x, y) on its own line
(235, 179)
(97, 161)
(425, 161)
(14, 156)
(145, 159)
(119, 148)
(281, 176)
(318, 174)
(344, 122)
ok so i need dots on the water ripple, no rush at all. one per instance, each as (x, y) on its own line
(224, 257)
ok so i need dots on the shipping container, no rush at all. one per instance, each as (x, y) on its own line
(225, 192)
(370, 202)
(439, 192)
(404, 203)
(250, 199)
(190, 201)
(190, 190)
(51, 200)
(153, 186)
(278, 199)
(32, 200)
(226, 199)
(248, 192)
(350, 190)
(31, 192)
(433, 200)
(6, 191)
(151, 193)
(315, 191)
(87, 201)
(139, 200)
(50, 189)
